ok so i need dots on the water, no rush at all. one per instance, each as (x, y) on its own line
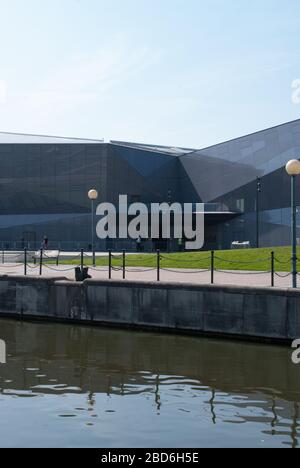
(67, 386)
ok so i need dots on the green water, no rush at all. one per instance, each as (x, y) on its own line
(65, 386)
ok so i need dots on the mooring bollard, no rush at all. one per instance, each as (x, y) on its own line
(212, 267)
(124, 264)
(272, 269)
(41, 262)
(158, 265)
(25, 262)
(109, 264)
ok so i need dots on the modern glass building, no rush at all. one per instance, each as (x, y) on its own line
(44, 183)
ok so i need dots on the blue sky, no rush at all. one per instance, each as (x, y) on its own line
(175, 72)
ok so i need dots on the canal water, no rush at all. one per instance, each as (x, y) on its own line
(65, 386)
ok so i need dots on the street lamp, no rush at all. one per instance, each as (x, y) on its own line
(93, 196)
(258, 192)
(293, 170)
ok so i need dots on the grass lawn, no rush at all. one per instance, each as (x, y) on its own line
(252, 260)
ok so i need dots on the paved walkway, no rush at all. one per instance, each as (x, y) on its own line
(144, 274)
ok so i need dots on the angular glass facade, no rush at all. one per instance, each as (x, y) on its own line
(44, 183)
(43, 192)
(228, 172)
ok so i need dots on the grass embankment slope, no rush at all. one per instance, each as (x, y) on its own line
(246, 260)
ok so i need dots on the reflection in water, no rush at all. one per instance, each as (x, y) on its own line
(212, 406)
(81, 386)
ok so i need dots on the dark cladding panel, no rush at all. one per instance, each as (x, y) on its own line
(43, 187)
(217, 171)
(144, 174)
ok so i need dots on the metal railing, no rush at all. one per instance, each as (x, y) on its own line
(156, 263)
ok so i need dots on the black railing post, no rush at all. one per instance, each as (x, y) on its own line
(124, 264)
(41, 262)
(109, 264)
(212, 267)
(82, 260)
(158, 265)
(25, 262)
(3, 257)
(272, 269)
(57, 260)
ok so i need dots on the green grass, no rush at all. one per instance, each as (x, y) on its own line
(249, 260)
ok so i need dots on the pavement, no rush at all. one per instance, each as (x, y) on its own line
(239, 278)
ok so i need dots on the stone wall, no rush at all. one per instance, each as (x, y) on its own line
(244, 312)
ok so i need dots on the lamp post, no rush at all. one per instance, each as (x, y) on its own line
(93, 196)
(293, 170)
(258, 192)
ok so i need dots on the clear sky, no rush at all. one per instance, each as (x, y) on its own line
(176, 72)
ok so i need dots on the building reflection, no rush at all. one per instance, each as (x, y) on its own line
(54, 359)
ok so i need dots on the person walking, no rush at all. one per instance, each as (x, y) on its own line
(45, 243)
(180, 245)
(139, 244)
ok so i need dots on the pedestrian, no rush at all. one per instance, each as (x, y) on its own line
(180, 245)
(45, 243)
(139, 244)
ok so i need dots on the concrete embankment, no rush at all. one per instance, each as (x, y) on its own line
(241, 312)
